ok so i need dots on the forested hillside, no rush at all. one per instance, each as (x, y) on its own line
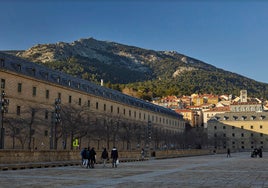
(143, 73)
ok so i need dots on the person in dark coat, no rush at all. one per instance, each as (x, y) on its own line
(92, 157)
(114, 156)
(260, 152)
(88, 157)
(83, 157)
(228, 152)
(104, 157)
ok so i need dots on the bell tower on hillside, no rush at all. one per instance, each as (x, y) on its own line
(243, 96)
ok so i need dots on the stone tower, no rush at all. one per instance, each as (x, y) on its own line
(243, 96)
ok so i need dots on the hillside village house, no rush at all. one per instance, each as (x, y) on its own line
(188, 106)
(49, 109)
(188, 115)
(198, 100)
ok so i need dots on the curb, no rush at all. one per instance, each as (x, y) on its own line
(23, 166)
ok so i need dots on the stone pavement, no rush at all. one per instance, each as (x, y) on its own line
(213, 171)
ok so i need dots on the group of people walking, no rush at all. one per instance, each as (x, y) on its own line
(89, 157)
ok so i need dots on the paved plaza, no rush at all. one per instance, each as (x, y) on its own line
(201, 171)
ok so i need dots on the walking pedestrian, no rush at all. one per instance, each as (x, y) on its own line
(83, 157)
(104, 157)
(142, 154)
(88, 157)
(260, 152)
(228, 152)
(114, 156)
(92, 157)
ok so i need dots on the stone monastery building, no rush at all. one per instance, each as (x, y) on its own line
(49, 109)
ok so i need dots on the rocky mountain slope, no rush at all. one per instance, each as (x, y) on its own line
(144, 71)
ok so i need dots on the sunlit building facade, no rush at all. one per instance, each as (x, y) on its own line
(241, 131)
(33, 91)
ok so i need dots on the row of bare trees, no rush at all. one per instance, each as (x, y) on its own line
(89, 127)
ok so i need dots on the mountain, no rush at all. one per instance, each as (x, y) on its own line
(145, 73)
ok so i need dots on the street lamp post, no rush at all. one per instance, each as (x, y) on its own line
(4, 108)
(57, 120)
(51, 139)
(149, 137)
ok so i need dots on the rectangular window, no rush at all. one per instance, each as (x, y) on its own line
(112, 109)
(251, 127)
(260, 126)
(70, 99)
(34, 91)
(2, 62)
(19, 87)
(3, 83)
(18, 110)
(79, 101)
(47, 94)
(19, 67)
(59, 95)
(97, 105)
(46, 133)
(104, 107)
(118, 110)
(46, 114)
(88, 103)
(33, 113)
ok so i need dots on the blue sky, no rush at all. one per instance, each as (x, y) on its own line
(229, 34)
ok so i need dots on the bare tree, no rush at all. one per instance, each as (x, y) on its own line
(75, 122)
(23, 126)
(17, 130)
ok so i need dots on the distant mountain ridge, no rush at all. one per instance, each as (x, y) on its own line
(109, 53)
(143, 70)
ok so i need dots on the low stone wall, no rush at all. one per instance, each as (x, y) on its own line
(23, 156)
(181, 153)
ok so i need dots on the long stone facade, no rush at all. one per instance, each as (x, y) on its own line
(34, 119)
(239, 130)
